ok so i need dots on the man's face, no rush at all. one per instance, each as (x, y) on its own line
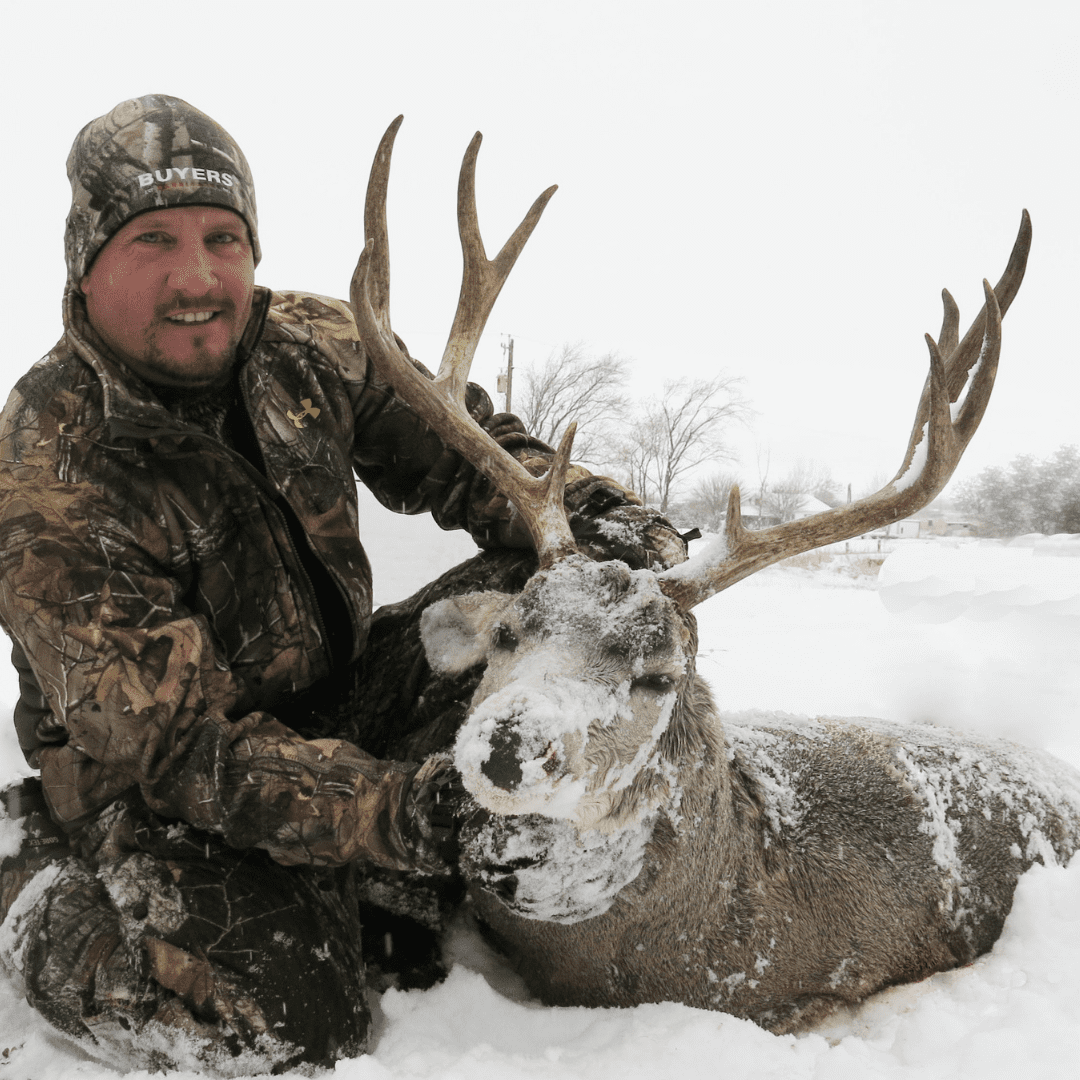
(170, 294)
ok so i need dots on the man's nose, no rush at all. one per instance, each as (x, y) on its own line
(192, 271)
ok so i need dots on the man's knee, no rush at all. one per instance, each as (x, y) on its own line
(191, 955)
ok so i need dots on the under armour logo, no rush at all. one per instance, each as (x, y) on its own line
(309, 410)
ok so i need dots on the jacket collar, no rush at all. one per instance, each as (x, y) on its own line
(130, 405)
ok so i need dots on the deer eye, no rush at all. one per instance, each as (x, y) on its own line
(502, 637)
(659, 684)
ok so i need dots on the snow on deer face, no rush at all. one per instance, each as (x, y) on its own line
(583, 673)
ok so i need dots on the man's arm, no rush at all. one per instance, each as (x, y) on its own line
(409, 470)
(141, 696)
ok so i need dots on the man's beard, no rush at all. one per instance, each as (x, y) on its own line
(200, 368)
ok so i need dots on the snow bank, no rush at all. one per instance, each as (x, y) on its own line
(1013, 1012)
(1032, 576)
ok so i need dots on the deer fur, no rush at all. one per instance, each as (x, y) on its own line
(771, 868)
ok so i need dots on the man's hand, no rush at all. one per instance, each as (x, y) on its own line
(609, 522)
(436, 806)
(543, 868)
(607, 519)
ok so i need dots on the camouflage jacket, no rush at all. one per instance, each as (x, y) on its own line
(161, 578)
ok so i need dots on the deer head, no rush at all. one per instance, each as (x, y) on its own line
(580, 714)
(589, 697)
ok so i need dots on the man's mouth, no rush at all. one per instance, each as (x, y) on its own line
(191, 316)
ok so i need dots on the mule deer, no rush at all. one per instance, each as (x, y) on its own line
(636, 850)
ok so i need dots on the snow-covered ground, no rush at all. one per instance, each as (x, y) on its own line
(970, 634)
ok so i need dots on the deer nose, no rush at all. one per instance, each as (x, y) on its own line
(503, 766)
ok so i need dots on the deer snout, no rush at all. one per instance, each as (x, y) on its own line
(509, 760)
(514, 760)
(503, 766)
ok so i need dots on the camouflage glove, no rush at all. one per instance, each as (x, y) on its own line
(609, 522)
(505, 424)
(434, 810)
(606, 518)
(543, 868)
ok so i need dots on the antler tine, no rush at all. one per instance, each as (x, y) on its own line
(971, 352)
(949, 337)
(441, 403)
(941, 433)
(981, 382)
(481, 279)
(375, 226)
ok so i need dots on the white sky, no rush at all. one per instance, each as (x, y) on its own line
(778, 190)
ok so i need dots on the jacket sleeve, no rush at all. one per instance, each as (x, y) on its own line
(606, 517)
(321, 801)
(409, 470)
(144, 697)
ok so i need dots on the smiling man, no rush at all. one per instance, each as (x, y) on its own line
(182, 577)
(170, 294)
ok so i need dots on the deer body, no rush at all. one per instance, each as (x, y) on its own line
(780, 925)
(772, 867)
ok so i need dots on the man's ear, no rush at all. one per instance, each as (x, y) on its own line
(83, 285)
(455, 632)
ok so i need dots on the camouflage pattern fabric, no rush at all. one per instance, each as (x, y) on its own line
(168, 597)
(146, 154)
(157, 946)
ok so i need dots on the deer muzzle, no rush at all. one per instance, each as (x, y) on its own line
(521, 750)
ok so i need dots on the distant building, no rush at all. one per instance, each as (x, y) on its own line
(949, 525)
(778, 507)
(938, 525)
(905, 529)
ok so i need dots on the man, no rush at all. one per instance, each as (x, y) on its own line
(188, 598)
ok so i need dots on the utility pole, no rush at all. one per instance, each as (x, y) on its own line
(506, 379)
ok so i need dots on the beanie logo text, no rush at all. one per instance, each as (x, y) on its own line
(198, 176)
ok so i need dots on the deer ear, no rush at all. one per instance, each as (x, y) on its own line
(455, 632)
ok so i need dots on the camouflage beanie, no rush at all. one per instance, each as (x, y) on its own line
(150, 152)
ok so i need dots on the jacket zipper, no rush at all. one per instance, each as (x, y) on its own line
(305, 578)
(263, 482)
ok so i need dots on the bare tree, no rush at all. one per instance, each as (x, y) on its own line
(574, 386)
(678, 431)
(786, 497)
(821, 484)
(783, 504)
(875, 483)
(633, 456)
(706, 506)
(1027, 495)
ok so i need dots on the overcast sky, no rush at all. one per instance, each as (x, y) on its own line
(774, 190)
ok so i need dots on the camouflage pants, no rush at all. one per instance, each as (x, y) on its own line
(156, 946)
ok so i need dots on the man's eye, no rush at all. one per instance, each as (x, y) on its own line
(224, 238)
(151, 238)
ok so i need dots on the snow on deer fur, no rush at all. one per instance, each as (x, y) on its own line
(566, 713)
(774, 868)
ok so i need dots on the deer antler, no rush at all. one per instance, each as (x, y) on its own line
(942, 431)
(441, 402)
